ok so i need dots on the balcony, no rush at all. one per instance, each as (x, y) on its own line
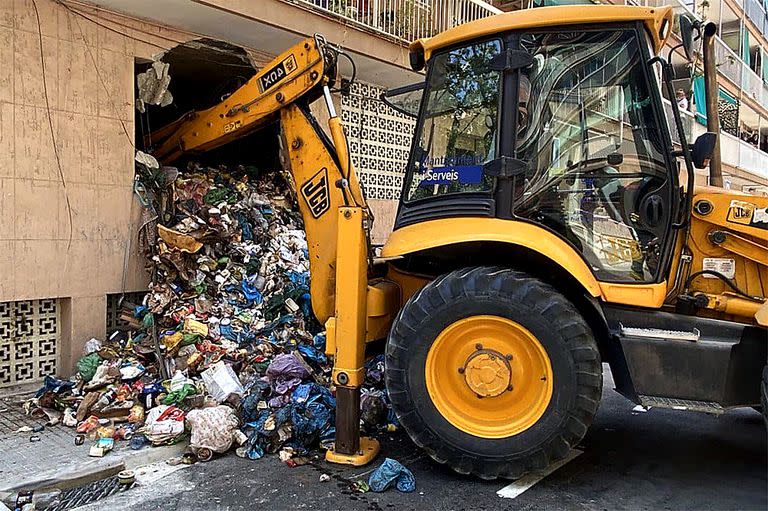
(734, 152)
(752, 159)
(742, 155)
(728, 63)
(756, 13)
(404, 20)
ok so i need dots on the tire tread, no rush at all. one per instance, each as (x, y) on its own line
(545, 299)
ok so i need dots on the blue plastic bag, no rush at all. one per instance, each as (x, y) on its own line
(392, 472)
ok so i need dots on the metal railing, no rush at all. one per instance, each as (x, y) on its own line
(756, 13)
(728, 63)
(404, 19)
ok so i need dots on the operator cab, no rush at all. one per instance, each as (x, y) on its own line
(562, 127)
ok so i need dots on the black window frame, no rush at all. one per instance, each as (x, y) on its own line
(451, 202)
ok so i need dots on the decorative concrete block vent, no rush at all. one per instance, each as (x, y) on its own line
(30, 333)
(379, 140)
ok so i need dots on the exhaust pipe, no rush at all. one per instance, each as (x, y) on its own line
(711, 92)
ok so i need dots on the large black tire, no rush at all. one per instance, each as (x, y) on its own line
(558, 326)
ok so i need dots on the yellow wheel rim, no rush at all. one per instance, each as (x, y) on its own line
(489, 376)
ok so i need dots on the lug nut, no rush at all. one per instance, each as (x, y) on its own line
(478, 346)
(461, 370)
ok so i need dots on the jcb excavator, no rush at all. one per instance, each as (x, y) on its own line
(547, 224)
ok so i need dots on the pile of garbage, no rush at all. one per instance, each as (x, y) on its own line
(224, 349)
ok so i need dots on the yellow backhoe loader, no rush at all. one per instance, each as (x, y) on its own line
(547, 224)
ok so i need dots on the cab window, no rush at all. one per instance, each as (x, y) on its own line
(460, 117)
(588, 130)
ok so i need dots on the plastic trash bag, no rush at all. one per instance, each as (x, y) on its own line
(212, 428)
(392, 472)
(87, 366)
(286, 372)
(164, 425)
(92, 346)
(221, 381)
(55, 385)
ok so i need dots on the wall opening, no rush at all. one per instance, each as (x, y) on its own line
(202, 73)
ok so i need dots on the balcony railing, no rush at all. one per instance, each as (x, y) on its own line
(743, 155)
(734, 152)
(404, 19)
(728, 62)
(756, 13)
(733, 68)
(753, 159)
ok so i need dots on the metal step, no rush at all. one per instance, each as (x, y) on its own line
(658, 333)
(681, 404)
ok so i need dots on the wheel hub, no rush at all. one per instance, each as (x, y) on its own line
(469, 371)
(487, 373)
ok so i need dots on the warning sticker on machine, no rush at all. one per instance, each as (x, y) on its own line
(721, 265)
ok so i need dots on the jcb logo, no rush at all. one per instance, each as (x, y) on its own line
(232, 126)
(315, 192)
(740, 212)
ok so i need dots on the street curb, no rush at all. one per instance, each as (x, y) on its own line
(93, 471)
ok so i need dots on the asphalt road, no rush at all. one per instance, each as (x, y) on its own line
(659, 459)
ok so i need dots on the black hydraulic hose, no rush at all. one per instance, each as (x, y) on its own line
(725, 279)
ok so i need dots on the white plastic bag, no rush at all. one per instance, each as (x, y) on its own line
(221, 381)
(163, 424)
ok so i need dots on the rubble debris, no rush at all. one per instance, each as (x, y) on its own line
(224, 348)
(389, 473)
(153, 86)
(360, 486)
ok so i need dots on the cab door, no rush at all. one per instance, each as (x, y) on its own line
(593, 146)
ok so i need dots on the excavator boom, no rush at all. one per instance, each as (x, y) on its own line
(289, 77)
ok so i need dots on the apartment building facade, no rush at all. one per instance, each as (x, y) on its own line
(69, 248)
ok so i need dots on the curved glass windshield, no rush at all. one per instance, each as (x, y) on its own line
(458, 132)
(588, 129)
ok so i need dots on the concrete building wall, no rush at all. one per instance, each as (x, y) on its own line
(69, 219)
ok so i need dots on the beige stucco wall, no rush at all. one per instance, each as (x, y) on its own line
(68, 217)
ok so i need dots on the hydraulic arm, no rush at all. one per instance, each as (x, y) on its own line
(331, 202)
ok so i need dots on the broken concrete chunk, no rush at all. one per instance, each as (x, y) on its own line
(153, 86)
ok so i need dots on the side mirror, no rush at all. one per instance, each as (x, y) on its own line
(686, 34)
(703, 149)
